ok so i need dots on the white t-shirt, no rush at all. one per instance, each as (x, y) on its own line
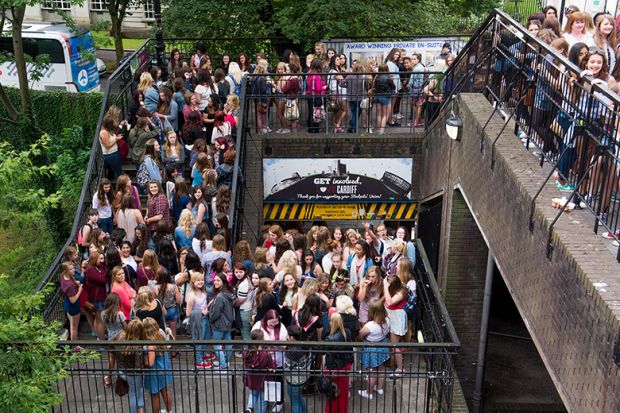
(377, 332)
(278, 355)
(242, 292)
(204, 92)
(201, 251)
(105, 211)
(326, 262)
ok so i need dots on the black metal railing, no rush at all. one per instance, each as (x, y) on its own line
(424, 385)
(569, 118)
(343, 102)
(117, 91)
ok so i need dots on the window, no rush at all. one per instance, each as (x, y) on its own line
(57, 4)
(149, 10)
(36, 47)
(98, 5)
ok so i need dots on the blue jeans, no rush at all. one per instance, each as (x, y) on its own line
(223, 356)
(106, 224)
(298, 404)
(246, 327)
(354, 107)
(136, 392)
(258, 400)
(205, 328)
(113, 160)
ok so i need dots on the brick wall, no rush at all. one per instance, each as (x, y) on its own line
(572, 323)
(464, 286)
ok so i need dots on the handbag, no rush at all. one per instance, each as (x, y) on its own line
(291, 111)
(365, 103)
(327, 387)
(121, 387)
(272, 391)
(332, 105)
(262, 107)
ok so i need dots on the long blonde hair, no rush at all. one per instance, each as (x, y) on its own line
(405, 270)
(149, 260)
(187, 222)
(235, 71)
(598, 36)
(144, 299)
(310, 287)
(151, 331)
(146, 81)
(335, 324)
(196, 276)
(288, 263)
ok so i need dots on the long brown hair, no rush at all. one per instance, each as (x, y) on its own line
(105, 198)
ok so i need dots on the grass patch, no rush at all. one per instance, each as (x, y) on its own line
(104, 40)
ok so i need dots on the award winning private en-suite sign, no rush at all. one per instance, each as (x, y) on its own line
(339, 180)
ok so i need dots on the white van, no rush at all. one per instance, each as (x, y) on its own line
(69, 68)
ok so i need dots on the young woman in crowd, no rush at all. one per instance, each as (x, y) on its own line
(159, 378)
(157, 208)
(576, 31)
(115, 322)
(222, 317)
(128, 217)
(109, 145)
(96, 287)
(256, 361)
(102, 201)
(371, 288)
(130, 359)
(140, 242)
(168, 294)
(359, 262)
(148, 306)
(125, 186)
(375, 330)
(197, 310)
(395, 295)
(185, 231)
(127, 295)
(338, 363)
(71, 290)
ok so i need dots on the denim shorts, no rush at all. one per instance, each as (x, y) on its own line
(172, 313)
(99, 305)
(382, 100)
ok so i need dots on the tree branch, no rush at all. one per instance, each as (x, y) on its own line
(10, 108)
(7, 120)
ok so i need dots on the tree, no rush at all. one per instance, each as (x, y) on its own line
(118, 12)
(31, 362)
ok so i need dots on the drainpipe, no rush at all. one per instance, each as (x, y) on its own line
(484, 328)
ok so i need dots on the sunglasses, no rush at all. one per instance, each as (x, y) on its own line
(596, 51)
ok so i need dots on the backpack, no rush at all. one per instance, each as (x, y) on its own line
(142, 175)
(237, 85)
(80, 237)
(409, 307)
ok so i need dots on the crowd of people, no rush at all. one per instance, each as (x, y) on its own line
(558, 104)
(358, 96)
(319, 285)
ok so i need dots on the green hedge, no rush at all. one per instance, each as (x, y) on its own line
(54, 111)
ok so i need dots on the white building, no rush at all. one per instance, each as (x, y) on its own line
(91, 11)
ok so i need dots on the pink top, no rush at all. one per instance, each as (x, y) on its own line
(126, 293)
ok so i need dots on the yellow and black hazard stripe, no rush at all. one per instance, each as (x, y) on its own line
(353, 211)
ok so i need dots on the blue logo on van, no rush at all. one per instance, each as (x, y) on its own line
(83, 63)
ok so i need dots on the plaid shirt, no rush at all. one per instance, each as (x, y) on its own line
(157, 205)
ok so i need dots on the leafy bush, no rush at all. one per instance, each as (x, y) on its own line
(31, 363)
(53, 111)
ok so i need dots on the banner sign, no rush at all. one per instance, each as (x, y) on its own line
(337, 180)
(297, 211)
(429, 48)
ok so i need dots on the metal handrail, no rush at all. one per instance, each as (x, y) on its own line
(90, 171)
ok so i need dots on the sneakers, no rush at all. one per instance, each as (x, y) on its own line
(521, 134)
(419, 124)
(379, 391)
(609, 235)
(564, 188)
(365, 394)
(397, 116)
(277, 408)
(238, 354)
(204, 365)
(396, 374)
(283, 130)
(208, 357)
